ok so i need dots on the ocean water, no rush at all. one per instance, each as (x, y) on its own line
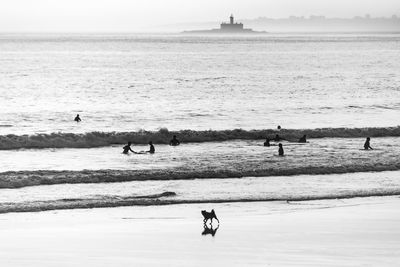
(220, 95)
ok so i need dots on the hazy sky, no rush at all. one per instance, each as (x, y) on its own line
(136, 15)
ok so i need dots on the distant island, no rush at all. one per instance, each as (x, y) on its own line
(364, 23)
(227, 28)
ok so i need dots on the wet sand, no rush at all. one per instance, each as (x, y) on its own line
(350, 232)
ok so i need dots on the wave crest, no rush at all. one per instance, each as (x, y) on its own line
(34, 178)
(163, 136)
(167, 198)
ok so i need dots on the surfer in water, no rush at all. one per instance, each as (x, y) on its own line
(278, 138)
(266, 143)
(281, 152)
(152, 149)
(366, 144)
(174, 141)
(77, 118)
(128, 148)
(303, 139)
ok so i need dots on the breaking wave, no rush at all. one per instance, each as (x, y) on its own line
(99, 139)
(21, 179)
(168, 198)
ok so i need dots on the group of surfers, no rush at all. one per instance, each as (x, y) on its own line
(303, 139)
(278, 138)
(175, 142)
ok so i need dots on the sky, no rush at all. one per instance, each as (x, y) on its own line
(141, 15)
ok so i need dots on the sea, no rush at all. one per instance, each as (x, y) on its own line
(222, 96)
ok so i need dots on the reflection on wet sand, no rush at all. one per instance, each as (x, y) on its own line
(209, 230)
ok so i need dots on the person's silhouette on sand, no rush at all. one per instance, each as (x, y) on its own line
(128, 148)
(366, 144)
(281, 152)
(152, 149)
(303, 139)
(77, 118)
(174, 141)
(266, 143)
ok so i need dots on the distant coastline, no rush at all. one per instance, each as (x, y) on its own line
(364, 23)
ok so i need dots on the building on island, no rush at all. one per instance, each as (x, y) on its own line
(230, 27)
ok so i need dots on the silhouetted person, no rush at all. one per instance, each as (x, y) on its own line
(174, 141)
(281, 152)
(209, 230)
(303, 139)
(266, 143)
(152, 149)
(77, 118)
(278, 138)
(366, 144)
(127, 148)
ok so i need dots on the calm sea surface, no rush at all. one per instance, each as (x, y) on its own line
(127, 83)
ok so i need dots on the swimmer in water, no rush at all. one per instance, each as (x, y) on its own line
(367, 145)
(128, 148)
(281, 152)
(266, 143)
(303, 139)
(77, 118)
(278, 138)
(152, 149)
(174, 141)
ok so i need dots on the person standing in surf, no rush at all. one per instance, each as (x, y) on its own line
(278, 138)
(152, 149)
(174, 141)
(128, 148)
(266, 143)
(367, 145)
(280, 151)
(303, 139)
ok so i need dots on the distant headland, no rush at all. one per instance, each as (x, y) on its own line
(227, 28)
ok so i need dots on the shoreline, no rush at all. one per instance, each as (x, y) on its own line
(300, 188)
(350, 232)
(154, 201)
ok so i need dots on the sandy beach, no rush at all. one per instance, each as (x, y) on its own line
(349, 232)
